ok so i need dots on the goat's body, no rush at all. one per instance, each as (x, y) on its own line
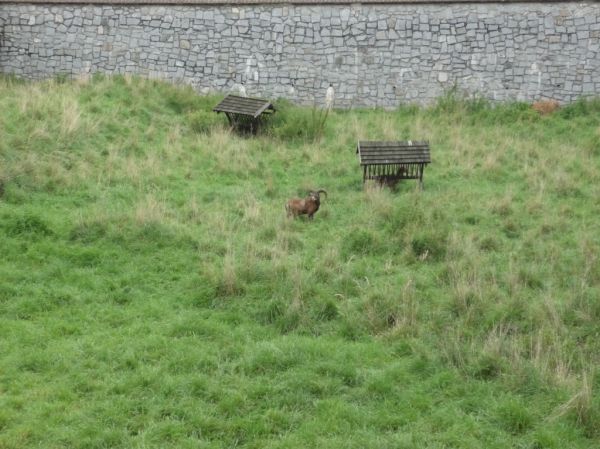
(391, 180)
(387, 181)
(304, 206)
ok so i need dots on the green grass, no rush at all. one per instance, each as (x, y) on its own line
(153, 294)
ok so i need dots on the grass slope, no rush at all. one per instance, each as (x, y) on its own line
(152, 293)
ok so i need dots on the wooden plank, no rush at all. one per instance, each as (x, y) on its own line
(396, 148)
(372, 164)
(237, 110)
(365, 144)
(391, 153)
(263, 108)
(395, 153)
(394, 161)
(398, 157)
(383, 145)
(236, 104)
(392, 142)
(241, 111)
(243, 106)
(248, 113)
(394, 177)
(384, 164)
(418, 157)
(391, 157)
(400, 151)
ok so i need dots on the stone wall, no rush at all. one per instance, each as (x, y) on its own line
(372, 54)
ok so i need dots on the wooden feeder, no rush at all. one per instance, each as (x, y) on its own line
(388, 162)
(245, 114)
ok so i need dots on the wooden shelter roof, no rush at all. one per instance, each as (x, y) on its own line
(235, 104)
(383, 153)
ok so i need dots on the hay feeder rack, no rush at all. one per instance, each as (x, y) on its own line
(387, 162)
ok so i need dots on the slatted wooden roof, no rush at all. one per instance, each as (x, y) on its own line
(383, 153)
(235, 104)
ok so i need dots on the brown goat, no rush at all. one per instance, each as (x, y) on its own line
(304, 206)
(390, 181)
(385, 181)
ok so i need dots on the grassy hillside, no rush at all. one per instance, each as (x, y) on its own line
(153, 294)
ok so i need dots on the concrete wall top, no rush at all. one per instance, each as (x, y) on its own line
(274, 2)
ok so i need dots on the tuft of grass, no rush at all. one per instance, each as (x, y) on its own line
(291, 123)
(583, 408)
(203, 122)
(514, 416)
(26, 225)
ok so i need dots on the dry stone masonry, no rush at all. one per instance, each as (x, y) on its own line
(372, 54)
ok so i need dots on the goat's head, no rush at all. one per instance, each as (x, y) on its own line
(315, 194)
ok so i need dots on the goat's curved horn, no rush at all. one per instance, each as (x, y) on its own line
(319, 191)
